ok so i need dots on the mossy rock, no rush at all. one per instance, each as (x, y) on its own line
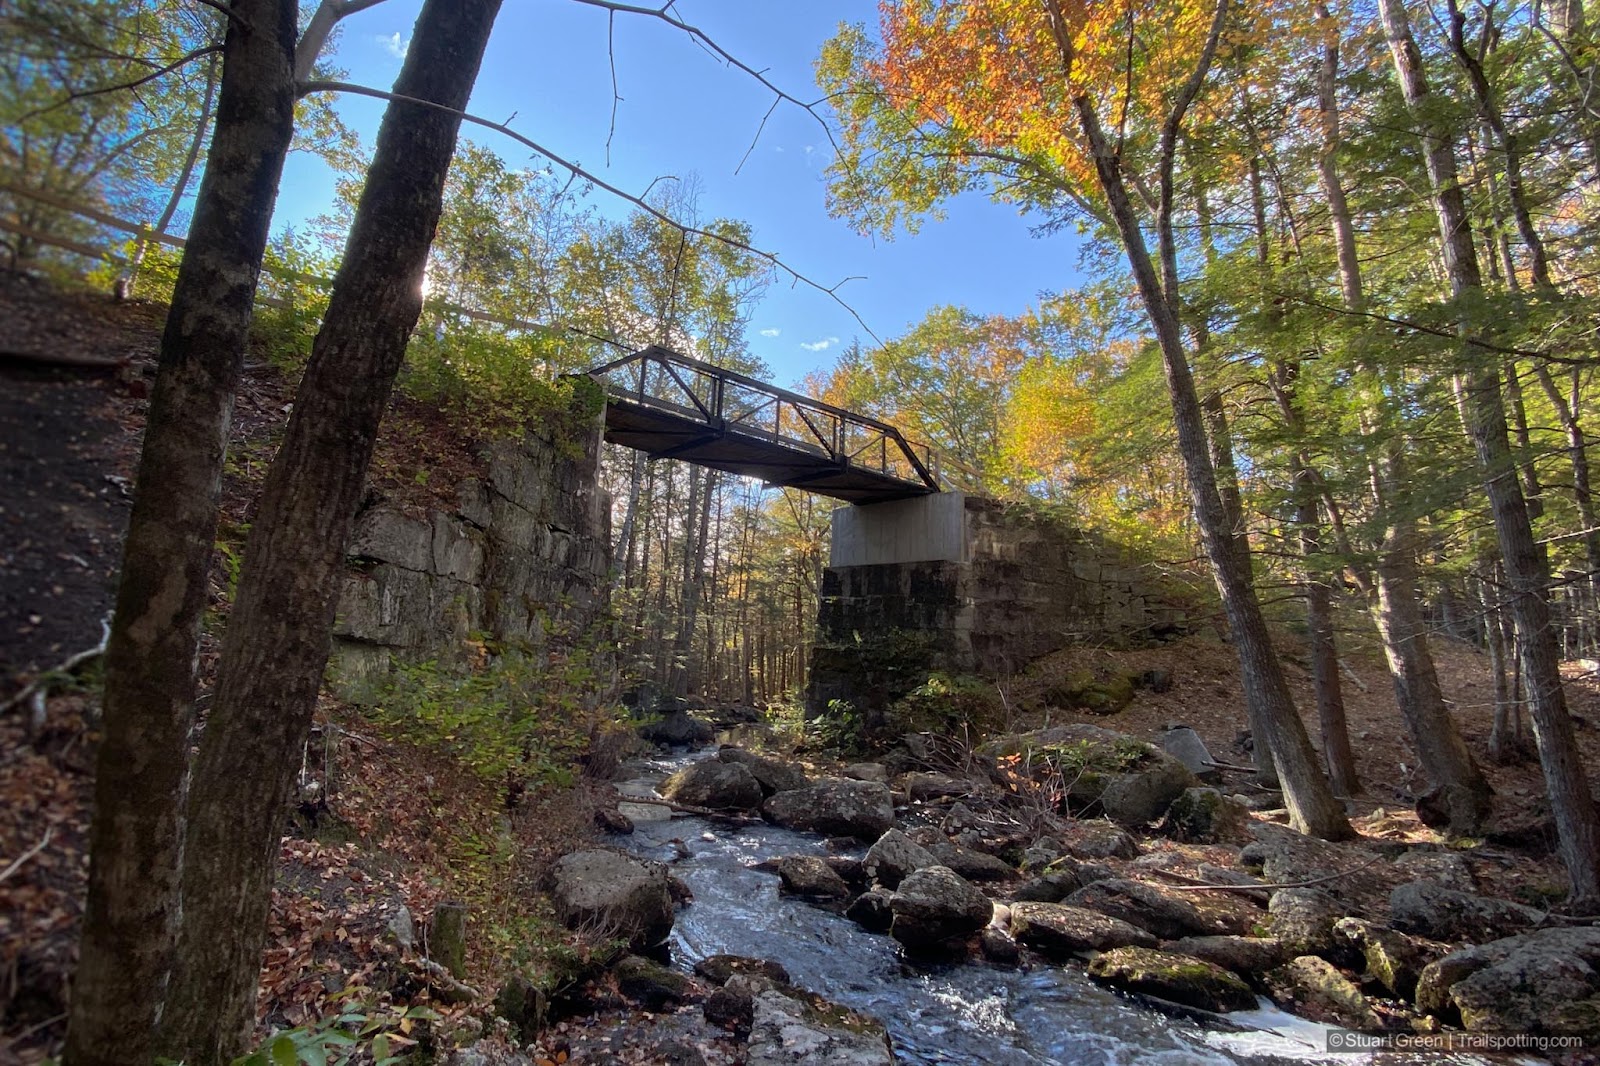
(650, 984)
(1176, 978)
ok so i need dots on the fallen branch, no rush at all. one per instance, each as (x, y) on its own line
(724, 817)
(17, 863)
(42, 682)
(1233, 766)
(1207, 886)
(1353, 677)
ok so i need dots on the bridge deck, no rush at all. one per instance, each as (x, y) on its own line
(670, 406)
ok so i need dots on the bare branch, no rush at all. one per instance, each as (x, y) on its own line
(667, 15)
(327, 16)
(616, 97)
(161, 71)
(599, 183)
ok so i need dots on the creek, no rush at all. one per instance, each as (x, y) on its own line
(966, 1013)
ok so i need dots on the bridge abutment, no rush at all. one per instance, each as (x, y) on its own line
(964, 584)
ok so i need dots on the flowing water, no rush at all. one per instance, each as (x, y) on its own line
(957, 1014)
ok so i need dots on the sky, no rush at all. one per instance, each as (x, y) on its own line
(684, 112)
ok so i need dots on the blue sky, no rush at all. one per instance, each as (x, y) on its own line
(684, 112)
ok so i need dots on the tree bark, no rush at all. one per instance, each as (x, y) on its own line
(136, 840)
(1526, 566)
(1393, 592)
(278, 638)
(1312, 806)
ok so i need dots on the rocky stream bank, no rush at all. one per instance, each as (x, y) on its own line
(1067, 895)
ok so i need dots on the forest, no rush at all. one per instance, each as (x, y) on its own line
(1329, 370)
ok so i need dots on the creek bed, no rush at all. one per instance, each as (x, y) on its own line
(968, 1013)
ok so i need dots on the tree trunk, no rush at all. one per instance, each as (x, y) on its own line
(1312, 806)
(278, 638)
(1526, 567)
(1393, 594)
(136, 840)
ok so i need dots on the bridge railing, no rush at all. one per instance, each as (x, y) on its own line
(730, 403)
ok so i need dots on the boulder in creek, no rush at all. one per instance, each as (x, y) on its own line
(1059, 931)
(719, 968)
(1542, 982)
(616, 894)
(1246, 955)
(1313, 988)
(935, 905)
(678, 728)
(870, 911)
(835, 806)
(773, 775)
(895, 857)
(1429, 909)
(1393, 959)
(867, 771)
(793, 1030)
(650, 984)
(1176, 978)
(808, 875)
(1164, 914)
(714, 784)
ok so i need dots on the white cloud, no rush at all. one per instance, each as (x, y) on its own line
(771, 332)
(394, 45)
(810, 148)
(820, 346)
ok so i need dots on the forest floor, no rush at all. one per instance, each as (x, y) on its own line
(404, 828)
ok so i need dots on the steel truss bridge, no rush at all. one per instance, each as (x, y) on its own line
(671, 406)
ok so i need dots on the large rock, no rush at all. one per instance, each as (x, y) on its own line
(790, 1031)
(1050, 887)
(894, 857)
(935, 905)
(1059, 931)
(1205, 816)
(774, 775)
(1542, 982)
(1249, 955)
(1166, 915)
(835, 806)
(678, 728)
(1394, 960)
(1129, 780)
(1312, 988)
(1176, 978)
(615, 895)
(1185, 745)
(971, 863)
(1288, 857)
(1303, 918)
(712, 783)
(1430, 909)
(808, 875)
(650, 984)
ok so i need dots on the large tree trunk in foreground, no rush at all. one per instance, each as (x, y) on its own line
(136, 843)
(278, 638)
(1312, 806)
(1527, 570)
